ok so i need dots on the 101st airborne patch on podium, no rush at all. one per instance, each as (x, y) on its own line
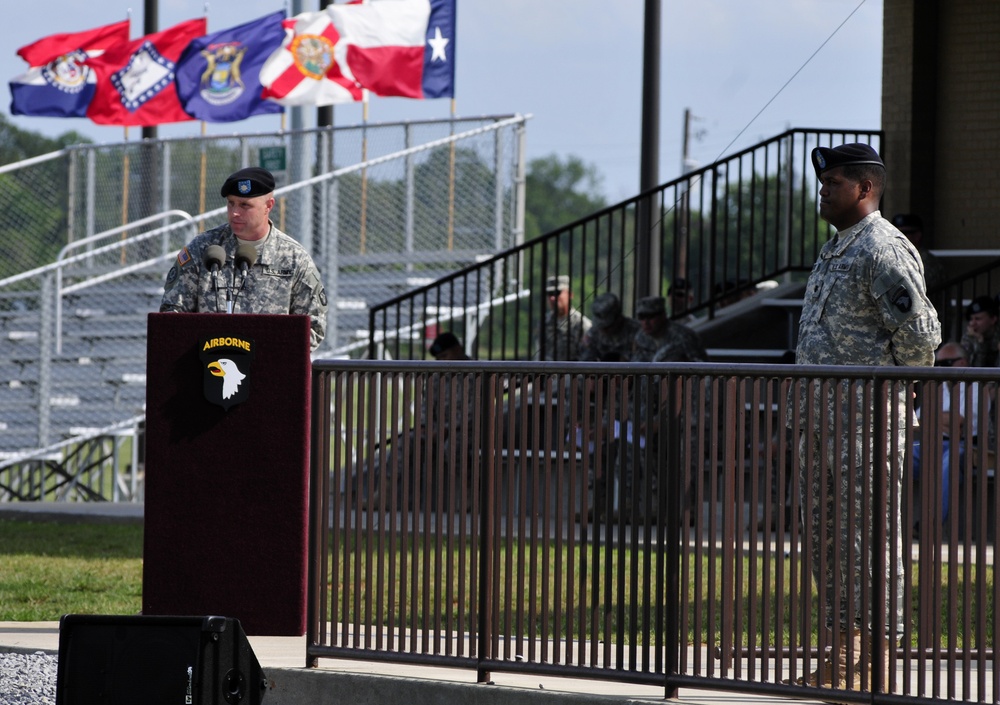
(226, 363)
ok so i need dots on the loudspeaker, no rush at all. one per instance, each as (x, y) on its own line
(153, 660)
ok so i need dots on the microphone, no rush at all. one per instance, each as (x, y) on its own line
(246, 255)
(215, 257)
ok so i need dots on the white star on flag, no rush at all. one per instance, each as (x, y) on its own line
(438, 44)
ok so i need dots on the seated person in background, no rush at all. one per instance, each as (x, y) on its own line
(661, 339)
(610, 338)
(447, 346)
(558, 337)
(913, 227)
(981, 336)
(951, 405)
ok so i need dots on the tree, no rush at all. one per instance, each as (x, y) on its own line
(557, 192)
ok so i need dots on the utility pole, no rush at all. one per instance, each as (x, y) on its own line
(648, 248)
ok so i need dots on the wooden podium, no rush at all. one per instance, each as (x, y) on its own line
(227, 469)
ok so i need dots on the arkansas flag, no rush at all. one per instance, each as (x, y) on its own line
(402, 48)
(59, 83)
(218, 75)
(307, 69)
(136, 81)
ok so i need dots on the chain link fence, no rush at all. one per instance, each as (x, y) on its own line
(92, 230)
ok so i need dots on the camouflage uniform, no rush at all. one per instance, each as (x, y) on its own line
(982, 352)
(284, 279)
(675, 343)
(865, 304)
(562, 336)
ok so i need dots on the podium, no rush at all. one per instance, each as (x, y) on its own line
(227, 468)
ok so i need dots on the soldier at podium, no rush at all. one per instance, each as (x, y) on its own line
(247, 265)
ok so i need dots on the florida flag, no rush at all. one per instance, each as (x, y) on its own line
(308, 67)
(59, 82)
(136, 81)
(402, 48)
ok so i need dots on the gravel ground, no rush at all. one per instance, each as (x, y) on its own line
(27, 679)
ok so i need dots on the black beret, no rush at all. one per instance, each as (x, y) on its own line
(444, 343)
(824, 158)
(981, 304)
(252, 181)
(907, 220)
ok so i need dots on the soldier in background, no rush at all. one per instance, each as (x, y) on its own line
(982, 336)
(610, 338)
(564, 326)
(658, 340)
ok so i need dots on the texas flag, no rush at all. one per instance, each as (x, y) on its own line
(136, 81)
(402, 48)
(59, 83)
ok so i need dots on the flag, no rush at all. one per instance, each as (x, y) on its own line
(218, 74)
(136, 81)
(59, 83)
(305, 70)
(400, 48)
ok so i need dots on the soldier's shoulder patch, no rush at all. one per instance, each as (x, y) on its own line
(901, 299)
(183, 257)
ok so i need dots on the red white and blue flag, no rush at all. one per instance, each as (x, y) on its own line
(59, 82)
(136, 81)
(403, 48)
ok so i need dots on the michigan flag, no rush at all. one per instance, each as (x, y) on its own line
(218, 75)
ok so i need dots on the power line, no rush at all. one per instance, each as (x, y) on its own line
(792, 78)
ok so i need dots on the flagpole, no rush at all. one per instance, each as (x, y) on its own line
(203, 171)
(364, 171)
(125, 179)
(451, 182)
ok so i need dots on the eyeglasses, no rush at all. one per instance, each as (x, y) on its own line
(947, 362)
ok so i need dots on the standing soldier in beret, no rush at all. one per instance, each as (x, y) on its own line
(281, 277)
(865, 304)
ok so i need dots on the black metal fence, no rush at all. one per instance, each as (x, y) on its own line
(651, 524)
(722, 228)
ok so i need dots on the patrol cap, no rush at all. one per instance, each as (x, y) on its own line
(443, 343)
(907, 220)
(981, 304)
(824, 158)
(606, 310)
(651, 306)
(252, 181)
(556, 284)
(680, 287)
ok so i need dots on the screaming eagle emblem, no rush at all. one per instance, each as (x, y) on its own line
(226, 361)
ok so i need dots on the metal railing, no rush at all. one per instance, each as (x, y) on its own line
(723, 228)
(644, 524)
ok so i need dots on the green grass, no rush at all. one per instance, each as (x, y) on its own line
(49, 569)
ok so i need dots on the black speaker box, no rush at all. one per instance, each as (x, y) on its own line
(119, 660)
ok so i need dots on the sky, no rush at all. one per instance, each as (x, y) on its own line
(745, 69)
